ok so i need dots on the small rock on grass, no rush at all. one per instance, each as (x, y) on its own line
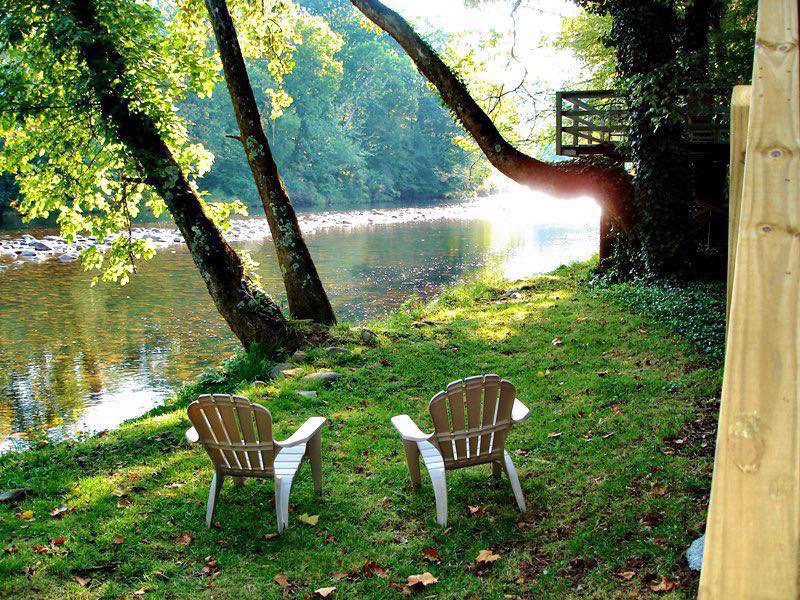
(278, 370)
(368, 337)
(694, 555)
(326, 377)
(15, 495)
(307, 393)
(336, 350)
(299, 356)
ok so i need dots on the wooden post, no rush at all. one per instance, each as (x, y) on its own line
(740, 113)
(752, 548)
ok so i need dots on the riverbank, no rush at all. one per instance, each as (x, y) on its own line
(615, 462)
(26, 248)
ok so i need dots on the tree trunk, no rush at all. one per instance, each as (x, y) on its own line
(307, 297)
(609, 185)
(252, 316)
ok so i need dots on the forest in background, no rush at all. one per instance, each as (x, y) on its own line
(362, 127)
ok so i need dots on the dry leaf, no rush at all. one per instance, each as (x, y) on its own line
(555, 434)
(10, 549)
(118, 539)
(270, 536)
(617, 409)
(60, 511)
(626, 575)
(82, 581)
(423, 580)
(140, 592)
(308, 519)
(338, 575)
(185, 539)
(371, 568)
(486, 556)
(476, 511)
(175, 485)
(602, 373)
(281, 580)
(557, 341)
(39, 549)
(124, 503)
(324, 592)
(25, 515)
(58, 541)
(431, 554)
(659, 490)
(665, 585)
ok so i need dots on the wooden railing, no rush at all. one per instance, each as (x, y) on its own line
(594, 122)
(752, 544)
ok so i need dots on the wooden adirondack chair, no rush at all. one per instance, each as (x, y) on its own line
(471, 421)
(237, 435)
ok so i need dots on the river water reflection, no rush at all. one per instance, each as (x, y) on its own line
(75, 358)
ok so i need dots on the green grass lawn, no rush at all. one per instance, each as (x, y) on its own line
(615, 462)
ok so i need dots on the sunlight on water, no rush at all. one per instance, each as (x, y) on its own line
(79, 359)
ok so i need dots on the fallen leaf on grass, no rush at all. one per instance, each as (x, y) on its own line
(659, 490)
(665, 585)
(602, 373)
(431, 554)
(617, 409)
(39, 549)
(281, 580)
(385, 362)
(626, 575)
(557, 341)
(175, 485)
(60, 511)
(338, 575)
(371, 568)
(555, 434)
(118, 539)
(58, 541)
(185, 539)
(140, 592)
(324, 592)
(476, 511)
(124, 503)
(82, 581)
(10, 549)
(486, 556)
(421, 581)
(270, 536)
(308, 519)
(25, 515)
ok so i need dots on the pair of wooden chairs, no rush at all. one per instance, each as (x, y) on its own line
(471, 421)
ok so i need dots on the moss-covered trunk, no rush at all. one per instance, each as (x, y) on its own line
(304, 290)
(251, 314)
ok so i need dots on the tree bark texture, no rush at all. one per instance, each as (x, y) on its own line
(304, 290)
(251, 314)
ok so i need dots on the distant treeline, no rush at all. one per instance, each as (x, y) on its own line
(370, 131)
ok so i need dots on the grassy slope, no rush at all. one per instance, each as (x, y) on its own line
(615, 468)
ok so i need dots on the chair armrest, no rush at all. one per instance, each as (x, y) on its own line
(519, 412)
(408, 430)
(305, 432)
(191, 435)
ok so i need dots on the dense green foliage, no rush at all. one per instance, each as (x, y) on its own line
(362, 125)
(615, 461)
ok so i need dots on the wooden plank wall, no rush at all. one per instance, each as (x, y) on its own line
(753, 532)
(740, 113)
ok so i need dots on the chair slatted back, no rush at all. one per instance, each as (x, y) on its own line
(236, 433)
(472, 419)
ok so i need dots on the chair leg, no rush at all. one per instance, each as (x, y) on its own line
(439, 481)
(314, 451)
(283, 486)
(213, 493)
(512, 477)
(496, 469)
(412, 460)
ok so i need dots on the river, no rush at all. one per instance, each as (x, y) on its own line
(76, 359)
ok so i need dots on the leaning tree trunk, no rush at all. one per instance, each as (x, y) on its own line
(250, 313)
(307, 297)
(609, 185)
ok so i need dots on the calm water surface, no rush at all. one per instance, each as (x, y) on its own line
(78, 359)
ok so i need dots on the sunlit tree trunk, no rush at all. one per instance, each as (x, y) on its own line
(252, 316)
(304, 290)
(610, 185)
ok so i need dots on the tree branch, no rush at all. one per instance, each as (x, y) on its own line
(610, 186)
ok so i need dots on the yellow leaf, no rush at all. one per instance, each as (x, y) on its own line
(423, 580)
(308, 519)
(486, 556)
(25, 515)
